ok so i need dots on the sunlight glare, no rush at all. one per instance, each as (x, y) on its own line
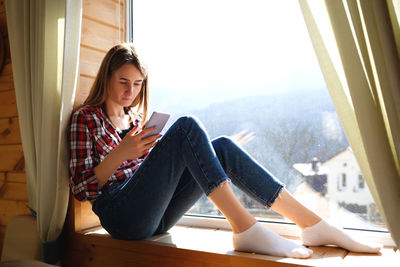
(259, 45)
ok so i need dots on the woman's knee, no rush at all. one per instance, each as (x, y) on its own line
(222, 141)
(188, 122)
(223, 145)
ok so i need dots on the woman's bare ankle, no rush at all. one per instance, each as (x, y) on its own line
(242, 226)
(309, 222)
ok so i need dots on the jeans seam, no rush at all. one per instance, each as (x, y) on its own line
(194, 154)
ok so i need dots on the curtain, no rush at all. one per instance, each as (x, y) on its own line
(44, 39)
(357, 45)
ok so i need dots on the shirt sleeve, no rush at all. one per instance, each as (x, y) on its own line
(83, 181)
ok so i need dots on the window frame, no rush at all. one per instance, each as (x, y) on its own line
(129, 15)
(279, 226)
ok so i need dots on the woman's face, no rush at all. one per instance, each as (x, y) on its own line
(125, 85)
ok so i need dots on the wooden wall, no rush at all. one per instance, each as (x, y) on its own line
(102, 27)
(13, 190)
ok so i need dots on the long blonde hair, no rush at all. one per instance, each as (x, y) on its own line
(113, 60)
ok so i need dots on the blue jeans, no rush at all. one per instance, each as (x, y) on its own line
(182, 167)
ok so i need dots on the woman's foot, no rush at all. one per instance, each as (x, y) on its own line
(324, 233)
(259, 239)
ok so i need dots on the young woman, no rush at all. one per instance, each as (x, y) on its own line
(137, 193)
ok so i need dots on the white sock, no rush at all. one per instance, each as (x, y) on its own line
(259, 239)
(324, 233)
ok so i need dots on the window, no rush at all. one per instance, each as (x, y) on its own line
(342, 182)
(361, 182)
(247, 69)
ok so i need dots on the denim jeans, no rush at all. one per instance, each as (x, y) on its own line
(180, 168)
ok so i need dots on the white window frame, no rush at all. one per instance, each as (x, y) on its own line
(280, 227)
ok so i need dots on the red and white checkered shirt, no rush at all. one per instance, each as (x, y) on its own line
(91, 137)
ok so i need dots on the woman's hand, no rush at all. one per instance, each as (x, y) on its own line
(131, 147)
(134, 145)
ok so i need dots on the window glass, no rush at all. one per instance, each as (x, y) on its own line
(360, 181)
(344, 180)
(247, 69)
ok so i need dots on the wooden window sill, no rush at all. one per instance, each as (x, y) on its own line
(194, 246)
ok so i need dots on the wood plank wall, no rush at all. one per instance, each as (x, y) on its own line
(102, 27)
(13, 189)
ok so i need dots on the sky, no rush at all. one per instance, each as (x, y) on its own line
(214, 50)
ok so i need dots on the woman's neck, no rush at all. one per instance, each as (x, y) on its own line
(117, 116)
(114, 110)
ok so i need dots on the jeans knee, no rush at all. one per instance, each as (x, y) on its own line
(222, 144)
(187, 121)
(223, 141)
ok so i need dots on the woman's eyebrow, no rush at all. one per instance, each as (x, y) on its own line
(125, 79)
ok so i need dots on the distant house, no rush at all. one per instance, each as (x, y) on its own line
(345, 183)
(314, 174)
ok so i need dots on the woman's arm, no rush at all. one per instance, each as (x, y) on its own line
(131, 147)
(82, 180)
(108, 166)
(87, 175)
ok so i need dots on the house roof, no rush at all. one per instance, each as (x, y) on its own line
(348, 149)
(306, 169)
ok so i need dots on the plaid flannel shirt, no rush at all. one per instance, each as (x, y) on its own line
(91, 137)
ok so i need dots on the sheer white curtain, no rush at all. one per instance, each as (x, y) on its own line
(44, 39)
(357, 44)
